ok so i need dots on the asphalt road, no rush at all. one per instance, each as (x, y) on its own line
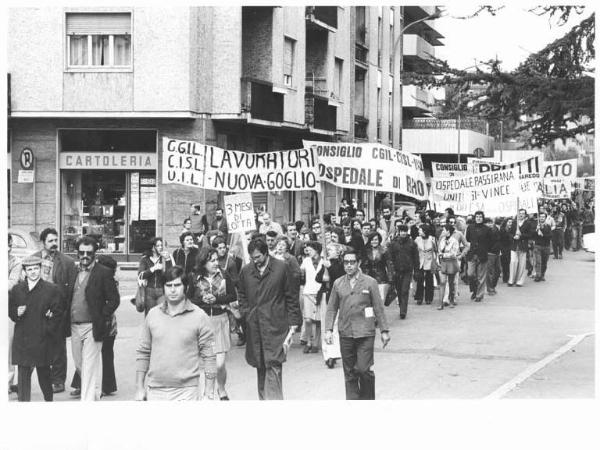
(469, 352)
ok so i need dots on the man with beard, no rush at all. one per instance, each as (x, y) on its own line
(220, 223)
(296, 248)
(59, 269)
(386, 224)
(404, 257)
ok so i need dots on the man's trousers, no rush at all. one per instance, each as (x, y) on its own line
(357, 360)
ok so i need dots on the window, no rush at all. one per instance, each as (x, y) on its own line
(337, 78)
(392, 40)
(391, 117)
(288, 61)
(361, 25)
(99, 40)
(359, 91)
(379, 40)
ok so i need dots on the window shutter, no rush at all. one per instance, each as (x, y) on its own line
(99, 23)
(260, 198)
(288, 56)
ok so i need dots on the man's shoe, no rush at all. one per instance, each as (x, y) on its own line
(542, 278)
(58, 388)
(473, 295)
(537, 279)
(13, 388)
(402, 316)
(307, 349)
(241, 340)
(76, 393)
(303, 342)
(314, 350)
(518, 285)
(510, 284)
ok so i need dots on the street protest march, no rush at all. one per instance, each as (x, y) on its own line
(191, 163)
(371, 167)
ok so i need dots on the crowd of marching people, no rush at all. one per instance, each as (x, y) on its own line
(309, 277)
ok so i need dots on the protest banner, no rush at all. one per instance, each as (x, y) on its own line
(234, 171)
(183, 162)
(193, 164)
(239, 211)
(560, 169)
(528, 168)
(556, 188)
(496, 193)
(447, 170)
(372, 167)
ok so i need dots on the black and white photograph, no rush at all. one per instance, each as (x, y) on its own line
(310, 203)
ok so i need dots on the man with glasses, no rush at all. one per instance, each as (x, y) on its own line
(89, 316)
(268, 297)
(356, 297)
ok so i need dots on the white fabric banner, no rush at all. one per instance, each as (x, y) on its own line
(193, 164)
(495, 193)
(566, 168)
(372, 167)
(448, 170)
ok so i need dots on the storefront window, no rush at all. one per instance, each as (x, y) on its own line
(117, 208)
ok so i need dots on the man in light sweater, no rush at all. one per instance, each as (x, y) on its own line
(176, 340)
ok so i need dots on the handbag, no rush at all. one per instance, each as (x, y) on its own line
(449, 266)
(391, 295)
(140, 295)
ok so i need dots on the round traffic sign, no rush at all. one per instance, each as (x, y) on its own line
(26, 158)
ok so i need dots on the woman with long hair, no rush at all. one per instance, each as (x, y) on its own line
(427, 261)
(152, 265)
(449, 249)
(375, 263)
(213, 291)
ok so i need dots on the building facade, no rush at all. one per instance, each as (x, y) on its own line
(92, 91)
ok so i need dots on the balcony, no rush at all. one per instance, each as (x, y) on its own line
(360, 127)
(322, 17)
(432, 136)
(361, 54)
(416, 54)
(260, 101)
(319, 114)
(416, 100)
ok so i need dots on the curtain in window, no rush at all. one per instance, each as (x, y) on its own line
(78, 53)
(122, 50)
(100, 50)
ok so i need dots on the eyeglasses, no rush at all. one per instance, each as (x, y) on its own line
(85, 252)
(347, 261)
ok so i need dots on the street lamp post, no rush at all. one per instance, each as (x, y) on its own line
(398, 95)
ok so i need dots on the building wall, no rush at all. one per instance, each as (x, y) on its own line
(342, 45)
(257, 43)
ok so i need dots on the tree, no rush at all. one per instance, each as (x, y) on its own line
(549, 96)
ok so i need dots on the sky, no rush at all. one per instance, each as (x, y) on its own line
(511, 35)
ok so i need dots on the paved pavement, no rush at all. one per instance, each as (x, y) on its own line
(463, 353)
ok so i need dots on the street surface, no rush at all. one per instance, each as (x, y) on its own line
(463, 353)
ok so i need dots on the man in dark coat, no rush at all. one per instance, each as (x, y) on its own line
(36, 307)
(269, 303)
(59, 269)
(89, 313)
(220, 223)
(404, 258)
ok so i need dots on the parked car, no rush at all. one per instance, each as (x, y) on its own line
(24, 243)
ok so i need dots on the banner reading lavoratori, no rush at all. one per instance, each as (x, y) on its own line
(372, 167)
(495, 193)
(194, 164)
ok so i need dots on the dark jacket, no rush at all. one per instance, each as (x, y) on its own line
(376, 264)
(479, 237)
(495, 245)
(154, 278)
(505, 240)
(188, 262)
(526, 230)
(103, 299)
(36, 337)
(64, 271)
(216, 309)
(335, 271)
(231, 265)
(221, 227)
(403, 255)
(545, 237)
(270, 307)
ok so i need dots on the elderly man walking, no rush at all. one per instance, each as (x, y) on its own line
(268, 297)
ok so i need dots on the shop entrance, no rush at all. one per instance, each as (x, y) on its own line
(116, 207)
